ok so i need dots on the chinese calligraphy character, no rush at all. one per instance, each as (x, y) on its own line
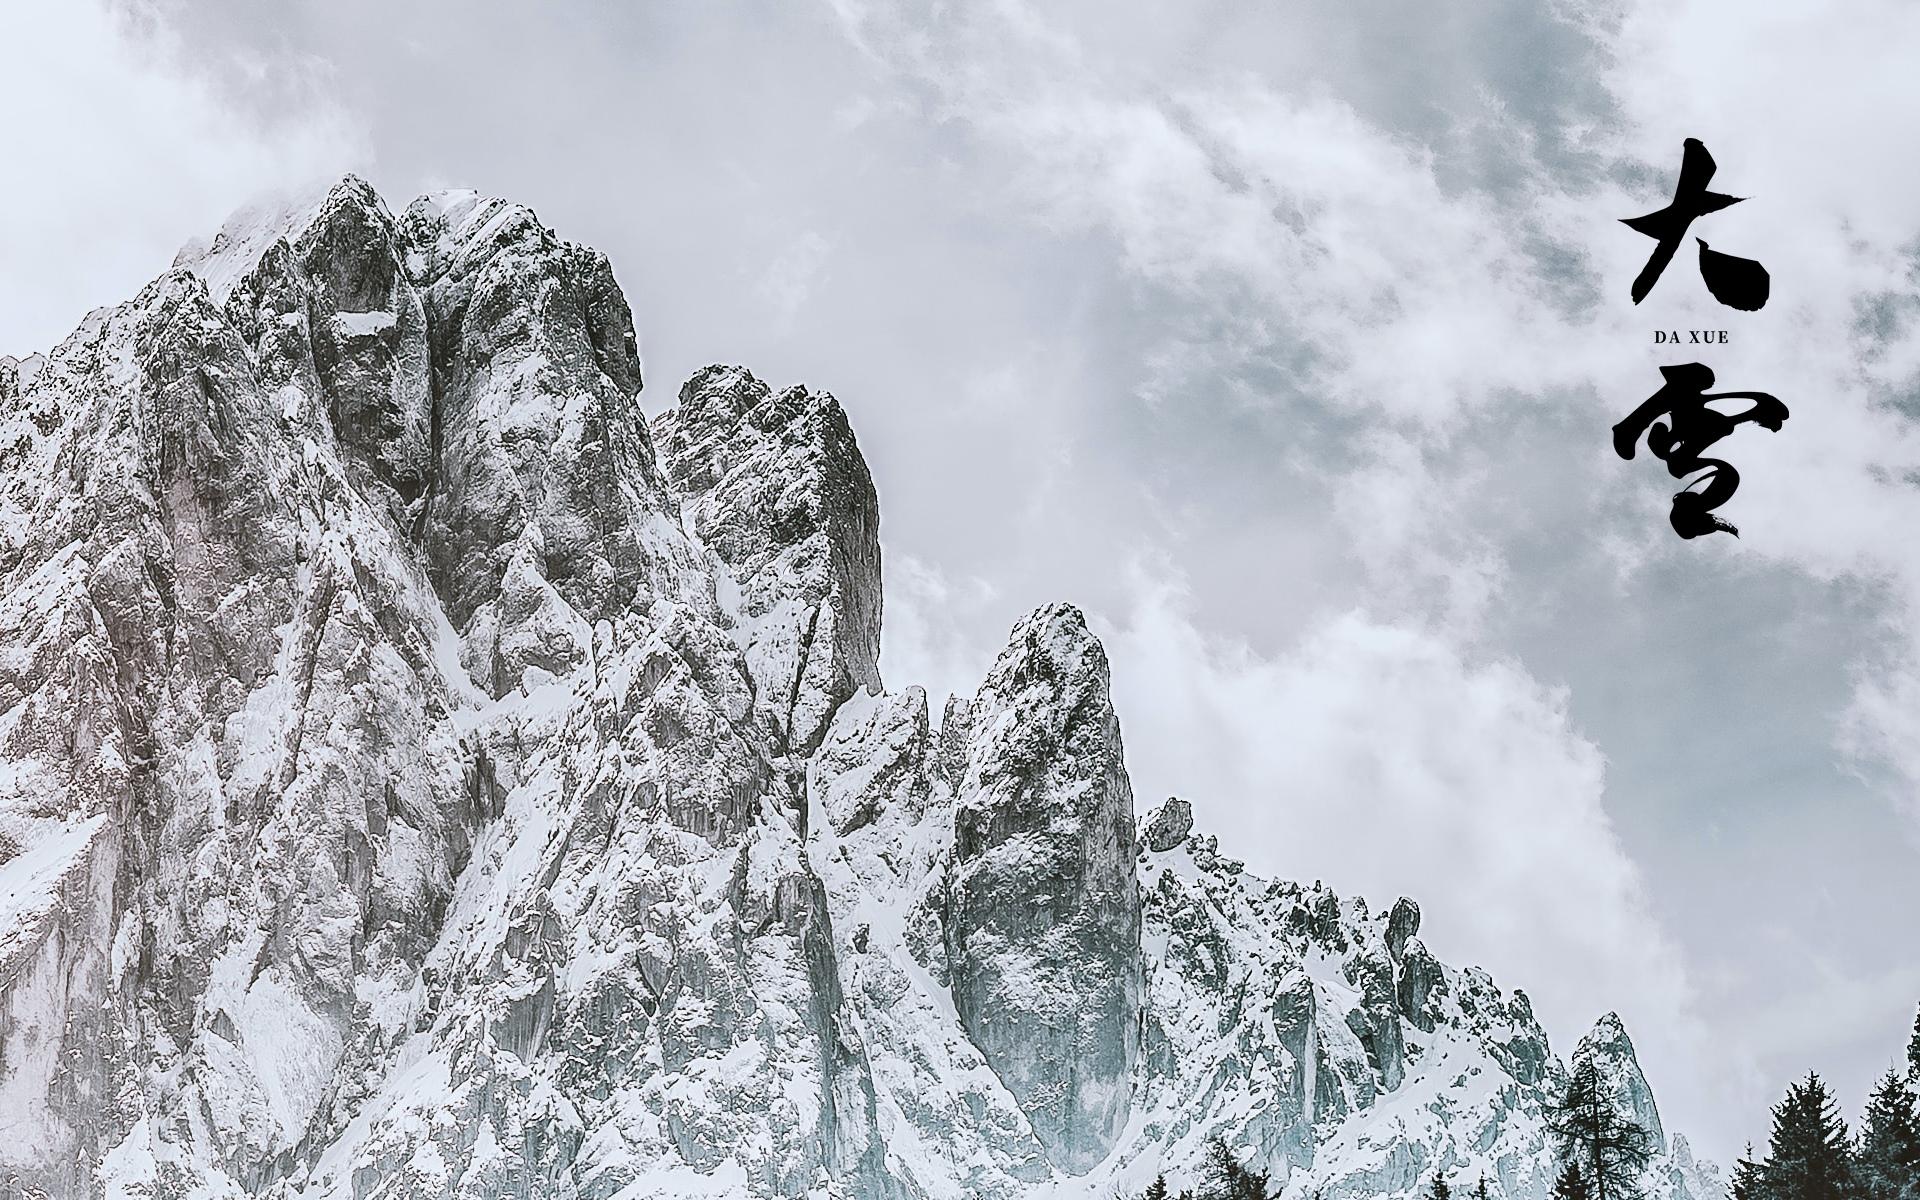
(1694, 427)
(1735, 282)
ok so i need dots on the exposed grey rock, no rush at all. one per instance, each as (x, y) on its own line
(956, 728)
(477, 376)
(1169, 825)
(269, 496)
(1049, 986)
(1610, 1050)
(1420, 979)
(1376, 1020)
(774, 484)
(1523, 1053)
(1688, 1178)
(885, 876)
(542, 510)
(1402, 924)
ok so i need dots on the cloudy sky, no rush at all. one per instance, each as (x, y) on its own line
(1284, 338)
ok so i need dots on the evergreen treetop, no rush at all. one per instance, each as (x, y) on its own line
(1745, 1184)
(1808, 1156)
(1225, 1178)
(1887, 1165)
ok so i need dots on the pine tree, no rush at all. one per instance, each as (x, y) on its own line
(1807, 1156)
(1480, 1189)
(1227, 1179)
(1571, 1185)
(1611, 1150)
(1439, 1189)
(1746, 1183)
(1157, 1190)
(1888, 1165)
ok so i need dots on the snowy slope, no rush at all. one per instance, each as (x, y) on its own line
(421, 777)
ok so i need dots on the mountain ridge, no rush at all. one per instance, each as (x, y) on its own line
(427, 776)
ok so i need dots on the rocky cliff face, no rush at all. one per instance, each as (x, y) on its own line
(420, 778)
(1049, 988)
(774, 485)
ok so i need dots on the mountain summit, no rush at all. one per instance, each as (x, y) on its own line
(420, 776)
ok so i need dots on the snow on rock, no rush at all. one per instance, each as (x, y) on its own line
(411, 786)
(774, 484)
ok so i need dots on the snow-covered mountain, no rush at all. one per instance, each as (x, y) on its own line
(420, 777)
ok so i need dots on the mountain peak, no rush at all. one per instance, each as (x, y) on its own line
(1050, 987)
(774, 484)
(236, 248)
(1611, 1051)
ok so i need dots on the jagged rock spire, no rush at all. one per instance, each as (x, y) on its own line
(1611, 1051)
(1049, 986)
(774, 484)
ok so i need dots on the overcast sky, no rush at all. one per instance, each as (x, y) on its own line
(1285, 339)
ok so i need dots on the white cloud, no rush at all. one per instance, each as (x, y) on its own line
(1385, 760)
(115, 155)
(1410, 531)
(1815, 1023)
(791, 277)
(1287, 222)
(922, 638)
(1295, 240)
(1882, 726)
